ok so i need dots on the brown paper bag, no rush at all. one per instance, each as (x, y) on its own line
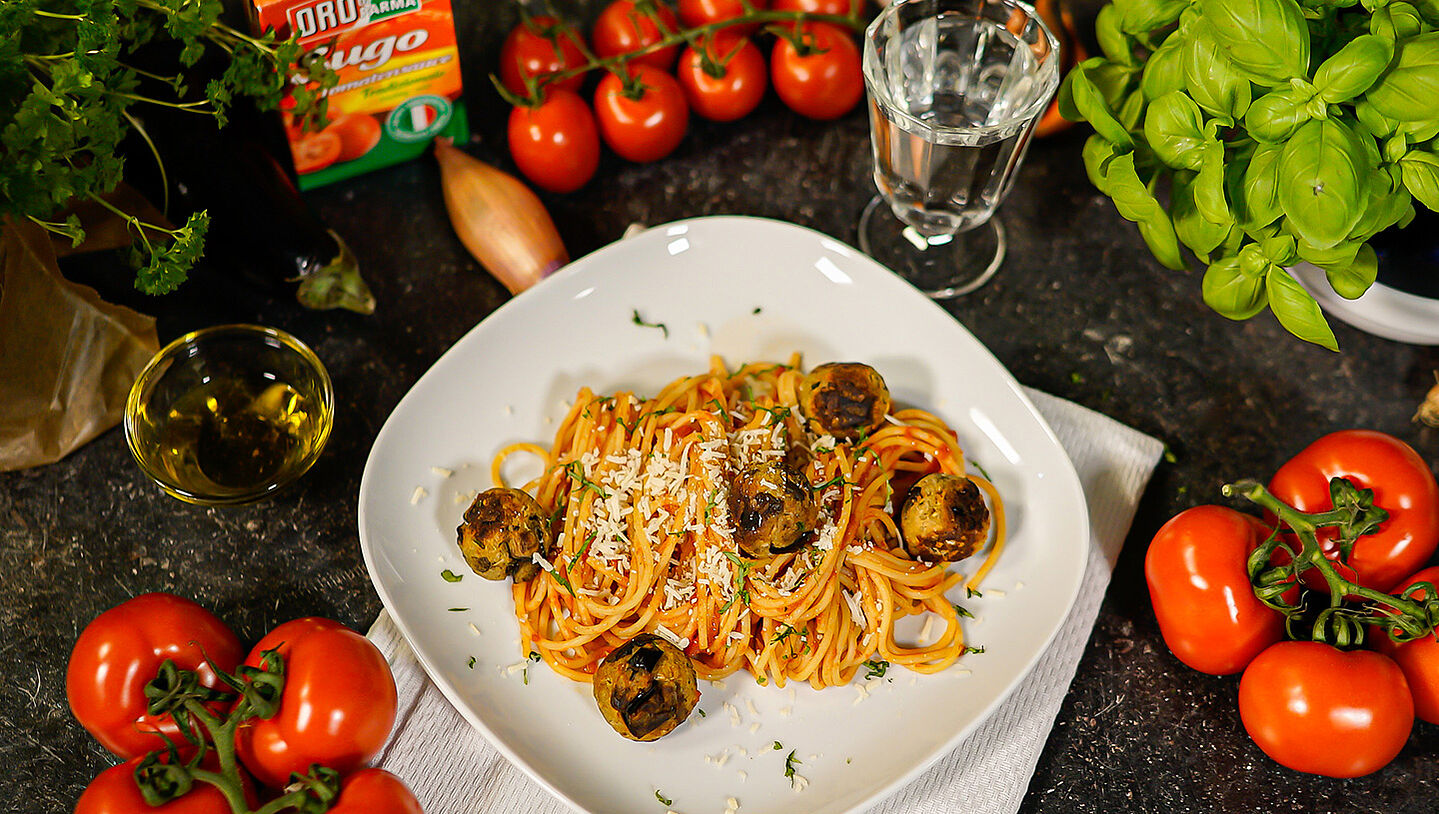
(67, 358)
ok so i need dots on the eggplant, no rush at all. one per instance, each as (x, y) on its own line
(259, 225)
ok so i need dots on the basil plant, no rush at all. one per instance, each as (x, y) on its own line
(1277, 131)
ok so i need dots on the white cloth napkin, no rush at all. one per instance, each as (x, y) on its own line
(453, 770)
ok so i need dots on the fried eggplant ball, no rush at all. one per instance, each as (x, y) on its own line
(844, 399)
(503, 529)
(772, 508)
(944, 518)
(646, 688)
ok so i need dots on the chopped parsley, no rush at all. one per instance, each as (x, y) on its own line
(982, 473)
(1169, 457)
(968, 649)
(741, 572)
(663, 799)
(756, 310)
(640, 321)
(471, 663)
(785, 631)
(576, 472)
(450, 576)
(526, 672)
(778, 746)
(458, 610)
(972, 593)
(876, 669)
(789, 764)
(962, 612)
(584, 549)
(701, 712)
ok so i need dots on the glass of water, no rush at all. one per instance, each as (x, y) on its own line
(955, 87)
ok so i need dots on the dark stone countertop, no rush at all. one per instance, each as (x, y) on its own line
(1080, 310)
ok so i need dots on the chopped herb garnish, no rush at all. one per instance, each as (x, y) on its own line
(756, 310)
(576, 472)
(584, 549)
(789, 763)
(534, 655)
(968, 649)
(837, 480)
(1169, 457)
(450, 576)
(563, 581)
(701, 712)
(663, 799)
(763, 681)
(741, 572)
(778, 746)
(458, 610)
(471, 663)
(876, 669)
(719, 408)
(1076, 377)
(640, 321)
(983, 473)
(962, 612)
(972, 593)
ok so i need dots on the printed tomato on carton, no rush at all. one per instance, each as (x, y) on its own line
(398, 87)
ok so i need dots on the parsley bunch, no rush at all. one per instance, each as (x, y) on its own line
(68, 78)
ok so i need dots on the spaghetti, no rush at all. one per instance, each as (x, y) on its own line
(641, 538)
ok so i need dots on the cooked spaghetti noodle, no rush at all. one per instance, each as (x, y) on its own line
(641, 538)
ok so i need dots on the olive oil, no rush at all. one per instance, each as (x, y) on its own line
(229, 437)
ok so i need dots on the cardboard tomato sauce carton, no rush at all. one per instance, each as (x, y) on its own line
(399, 81)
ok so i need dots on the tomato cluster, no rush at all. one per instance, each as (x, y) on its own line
(658, 68)
(1228, 591)
(329, 705)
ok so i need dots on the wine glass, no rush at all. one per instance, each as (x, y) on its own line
(955, 87)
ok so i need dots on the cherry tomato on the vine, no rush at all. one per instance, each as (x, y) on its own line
(739, 85)
(848, 8)
(1198, 582)
(1321, 710)
(538, 46)
(821, 79)
(622, 29)
(556, 143)
(375, 791)
(1402, 484)
(113, 791)
(645, 124)
(337, 707)
(695, 13)
(122, 649)
(1418, 659)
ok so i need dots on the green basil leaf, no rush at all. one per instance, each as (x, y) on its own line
(1409, 90)
(1274, 117)
(1428, 10)
(1420, 172)
(1354, 68)
(1093, 108)
(1385, 204)
(1296, 310)
(1209, 193)
(1174, 128)
(1131, 112)
(1143, 16)
(1350, 280)
(1216, 84)
(1341, 254)
(1231, 292)
(1120, 181)
(1164, 70)
(1378, 125)
(1258, 205)
(1322, 181)
(1396, 21)
(1279, 250)
(1194, 230)
(1097, 154)
(1116, 45)
(1266, 39)
(1418, 131)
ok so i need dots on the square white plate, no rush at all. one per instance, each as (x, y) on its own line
(747, 289)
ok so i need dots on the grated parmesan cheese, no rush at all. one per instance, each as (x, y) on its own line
(417, 495)
(441, 471)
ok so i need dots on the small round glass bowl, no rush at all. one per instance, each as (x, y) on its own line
(228, 415)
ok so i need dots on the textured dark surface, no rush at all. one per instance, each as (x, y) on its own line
(1080, 310)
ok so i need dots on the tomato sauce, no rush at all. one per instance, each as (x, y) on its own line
(399, 81)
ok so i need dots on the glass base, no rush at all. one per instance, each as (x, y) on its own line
(943, 266)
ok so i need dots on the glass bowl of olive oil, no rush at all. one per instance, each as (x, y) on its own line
(230, 414)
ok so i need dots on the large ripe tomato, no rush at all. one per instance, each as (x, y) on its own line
(695, 13)
(1402, 484)
(555, 144)
(739, 87)
(1318, 709)
(119, 652)
(1418, 659)
(647, 125)
(1200, 588)
(375, 791)
(622, 29)
(538, 46)
(113, 791)
(316, 151)
(336, 709)
(822, 79)
(358, 133)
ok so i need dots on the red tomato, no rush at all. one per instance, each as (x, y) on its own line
(113, 791)
(622, 29)
(359, 133)
(740, 86)
(823, 80)
(1198, 582)
(336, 709)
(695, 13)
(540, 46)
(845, 7)
(556, 144)
(1318, 709)
(1418, 659)
(119, 652)
(1402, 484)
(647, 128)
(375, 791)
(316, 151)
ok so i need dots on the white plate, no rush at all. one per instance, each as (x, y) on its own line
(748, 289)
